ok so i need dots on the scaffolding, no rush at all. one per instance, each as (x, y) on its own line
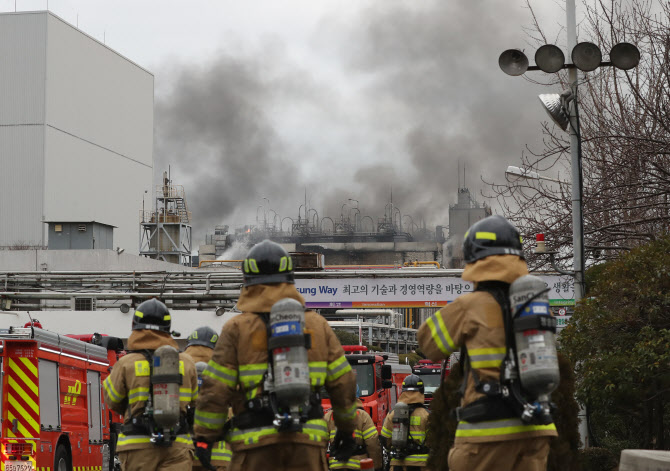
(165, 230)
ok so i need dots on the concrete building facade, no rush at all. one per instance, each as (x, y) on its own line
(76, 131)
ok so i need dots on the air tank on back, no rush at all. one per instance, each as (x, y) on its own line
(289, 355)
(535, 335)
(165, 380)
(400, 425)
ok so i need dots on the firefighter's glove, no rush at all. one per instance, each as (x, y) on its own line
(343, 446)
(203, 451)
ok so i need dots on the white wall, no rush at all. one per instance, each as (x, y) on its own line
(76, 131)
(87, 183)
(97, 95)
(21, 184)
(22, 76)
(99, 138)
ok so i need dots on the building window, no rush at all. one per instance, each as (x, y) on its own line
(82, 227)
(84, 304)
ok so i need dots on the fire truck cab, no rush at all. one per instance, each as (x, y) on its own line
(53, 414)
(432, 376)
(376, 380)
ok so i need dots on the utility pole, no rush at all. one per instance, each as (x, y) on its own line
(576, 166)
(576, 161)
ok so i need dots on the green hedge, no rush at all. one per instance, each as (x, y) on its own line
(598, 459)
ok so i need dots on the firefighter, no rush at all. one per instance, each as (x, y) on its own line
(414, 453)
(367, 439)
(241, 374)
(199, 347)
(200, 344)
(490, 434)
(142, 444)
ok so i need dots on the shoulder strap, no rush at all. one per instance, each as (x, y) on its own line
(500, 292)
(149, 355)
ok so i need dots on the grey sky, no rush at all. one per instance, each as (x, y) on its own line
(346, 99)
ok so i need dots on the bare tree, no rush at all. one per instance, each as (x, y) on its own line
(625, 134)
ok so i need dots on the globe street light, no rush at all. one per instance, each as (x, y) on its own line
(585, 57)
(564, 112)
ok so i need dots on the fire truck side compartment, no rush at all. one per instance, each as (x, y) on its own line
(49, 395)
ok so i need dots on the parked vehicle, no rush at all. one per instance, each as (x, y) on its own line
(378, 382)
(53, 414)
(432, 376)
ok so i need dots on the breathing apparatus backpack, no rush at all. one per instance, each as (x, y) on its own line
(400, 425)
(402, 444)
(287, 400)
(529, 371)
(162, 418)
(288, 381)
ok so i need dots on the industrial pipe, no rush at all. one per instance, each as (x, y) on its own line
(417, 263)
(203, 262)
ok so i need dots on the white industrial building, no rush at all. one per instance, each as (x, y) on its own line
(76, 132)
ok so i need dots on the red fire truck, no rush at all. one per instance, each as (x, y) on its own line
(378, 383)
(432, 376)
(53, 415)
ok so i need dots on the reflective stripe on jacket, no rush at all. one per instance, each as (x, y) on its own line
(365, 433)
(221, 453)
(475, 320)
(239, 365)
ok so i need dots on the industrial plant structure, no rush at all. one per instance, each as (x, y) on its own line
(353, 239)
(462, 215)
(347, 240)
(76, 133)
(166, 228)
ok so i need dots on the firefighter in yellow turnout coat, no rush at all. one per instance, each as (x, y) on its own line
(365, 434)
(239, 367)
(128, 388)
(417, 453)
(200, 347)
(493, 437)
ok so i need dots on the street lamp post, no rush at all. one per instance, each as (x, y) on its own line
(576, 160)
(563, 110)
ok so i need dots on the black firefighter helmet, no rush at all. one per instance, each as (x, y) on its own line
(267, 263)
(205, 336)
(412, 383)
(493, 235)
(152, 315)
